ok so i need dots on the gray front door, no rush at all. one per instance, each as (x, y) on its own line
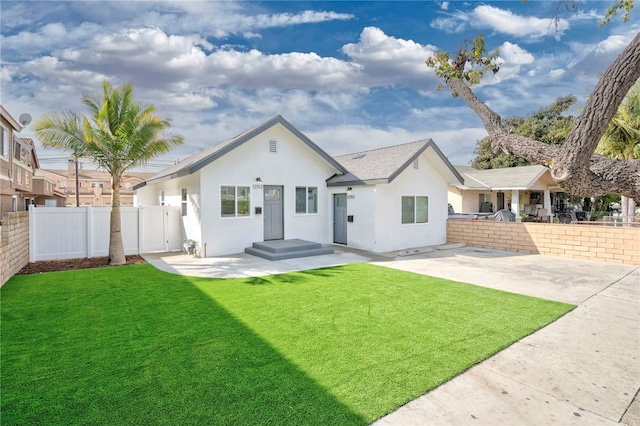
(340, 218)
(273, 213)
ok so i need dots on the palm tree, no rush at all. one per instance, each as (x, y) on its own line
(622, 138)
(118, 134)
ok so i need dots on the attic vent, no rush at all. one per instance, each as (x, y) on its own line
(358, 156)
(273, 146)
(415, 163)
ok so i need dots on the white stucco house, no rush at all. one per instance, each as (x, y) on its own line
(273, 183)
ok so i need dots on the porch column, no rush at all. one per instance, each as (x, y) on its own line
(515, 203)
(547, 200)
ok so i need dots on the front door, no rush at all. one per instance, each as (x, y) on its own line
(340, 218)
(273, 213)
(500, 200)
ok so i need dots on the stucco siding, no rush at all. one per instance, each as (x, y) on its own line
(391, 234)
(190, 224)
(294, 164)
(361, 204)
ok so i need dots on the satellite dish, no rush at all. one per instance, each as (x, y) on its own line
(24, 119)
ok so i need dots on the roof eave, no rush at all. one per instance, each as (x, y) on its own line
(14, 123)
(445, 160)
(253, 133)
(409, 161)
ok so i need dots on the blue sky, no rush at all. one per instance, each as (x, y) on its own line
(349, 74)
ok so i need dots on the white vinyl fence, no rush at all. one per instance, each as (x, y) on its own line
(72, 232)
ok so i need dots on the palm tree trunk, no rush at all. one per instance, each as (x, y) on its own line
(116, 247)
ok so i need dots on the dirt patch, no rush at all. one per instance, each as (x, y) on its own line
(71, 264)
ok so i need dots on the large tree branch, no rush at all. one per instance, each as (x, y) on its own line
(574, 166)
(590, 125)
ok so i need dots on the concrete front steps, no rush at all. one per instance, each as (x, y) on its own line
(287, 249)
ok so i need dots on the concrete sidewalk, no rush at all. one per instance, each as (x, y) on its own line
(582, 369)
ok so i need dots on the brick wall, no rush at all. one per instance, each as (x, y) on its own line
(14, 244)
(591, 242)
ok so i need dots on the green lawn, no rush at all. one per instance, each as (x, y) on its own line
(341, 345)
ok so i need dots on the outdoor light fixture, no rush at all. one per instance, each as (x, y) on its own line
(349, 188)
(258, 179)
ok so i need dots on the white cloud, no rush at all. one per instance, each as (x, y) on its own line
(558, 72)
(444, 5)
(599, 56)
(511, 60)
(456, 144)
(506, 22)
(514, 54)
(222, 19)
(451, 24)
(501, 21)
(388, 60)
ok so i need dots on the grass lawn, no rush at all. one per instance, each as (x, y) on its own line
(340, 345)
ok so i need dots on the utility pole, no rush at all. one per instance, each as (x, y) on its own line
(77, 179)
(77, 185)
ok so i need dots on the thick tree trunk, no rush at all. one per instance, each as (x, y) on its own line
(574, 166)
(116, 248)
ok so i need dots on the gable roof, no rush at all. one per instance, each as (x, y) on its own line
(383, 165)
(522, 177)
(35, 164)
(206, 156)
(12, 121)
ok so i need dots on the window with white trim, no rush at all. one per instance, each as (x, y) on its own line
(4, 142)
(183, 201)
(415, 209)
(235, 201)
(306, 199)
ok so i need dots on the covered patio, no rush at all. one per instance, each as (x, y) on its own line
(529, 192)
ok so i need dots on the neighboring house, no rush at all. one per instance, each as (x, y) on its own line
(94, 185)
(526, 189)
(272, 182)
(20, 186)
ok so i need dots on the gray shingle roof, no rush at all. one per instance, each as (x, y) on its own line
(383, 165)
(507, 178)
(199, 160)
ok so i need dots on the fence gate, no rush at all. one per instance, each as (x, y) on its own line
(160, 229)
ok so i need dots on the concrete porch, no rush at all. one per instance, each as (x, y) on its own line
(287, 249)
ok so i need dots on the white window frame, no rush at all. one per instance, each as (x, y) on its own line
(306, 200)
(235, 214)
(415, 210)
(184, 197)
(5, 140)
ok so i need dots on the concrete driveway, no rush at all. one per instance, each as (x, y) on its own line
(582, 369)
